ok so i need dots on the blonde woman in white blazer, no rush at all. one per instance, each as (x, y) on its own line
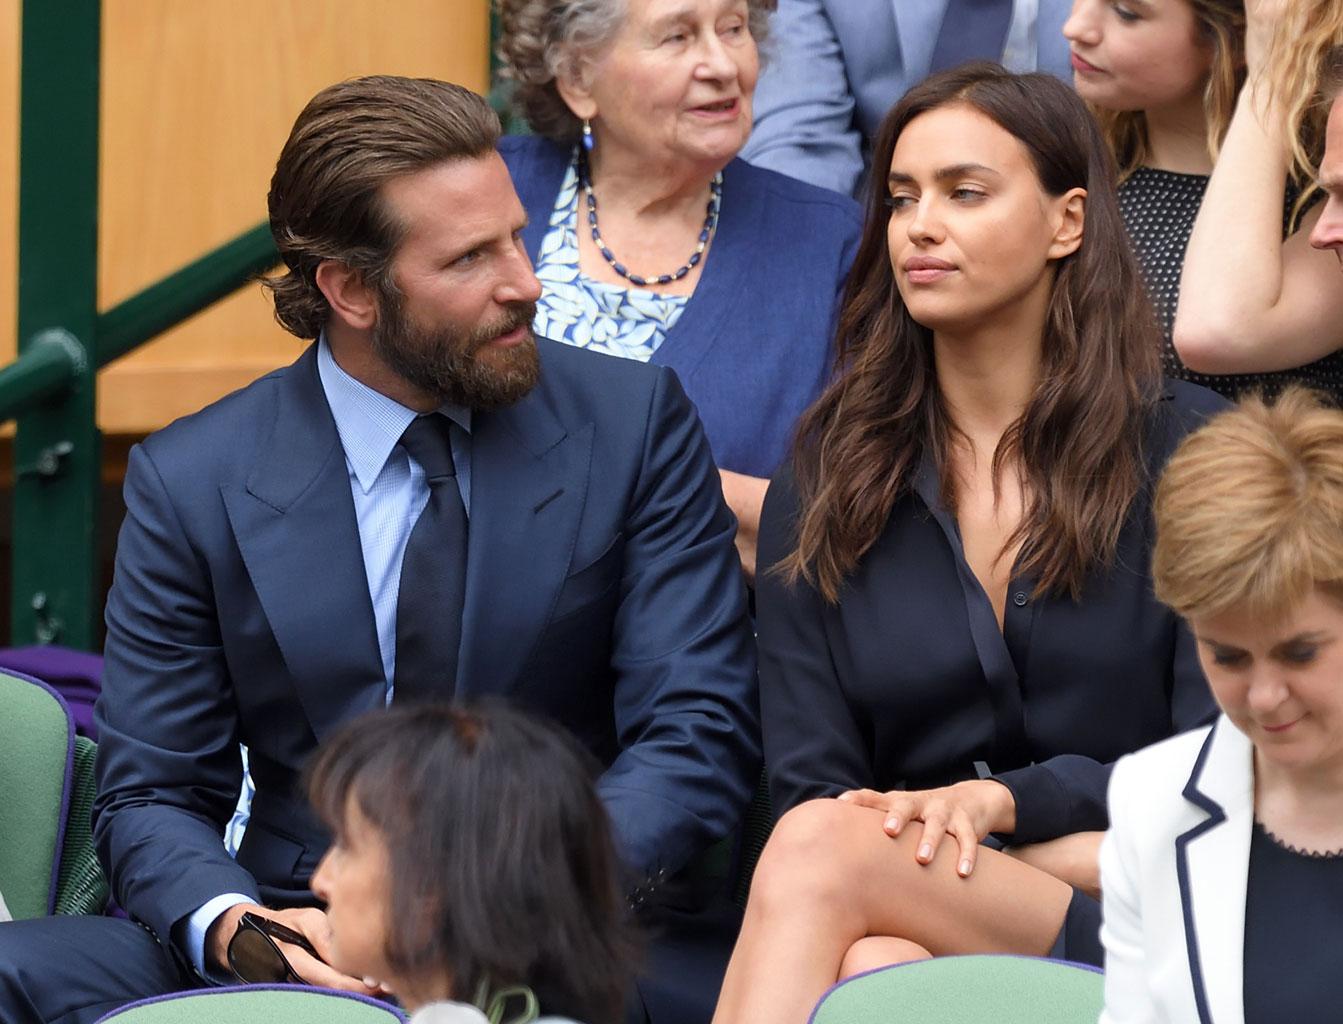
(1222, 871)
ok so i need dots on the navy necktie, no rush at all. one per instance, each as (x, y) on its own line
(972, 30)
(433, 572)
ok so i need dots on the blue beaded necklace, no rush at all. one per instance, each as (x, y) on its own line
(706, 233)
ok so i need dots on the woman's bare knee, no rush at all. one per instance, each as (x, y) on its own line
(880, 951)
(810, 856)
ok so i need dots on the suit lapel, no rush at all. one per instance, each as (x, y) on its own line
(1211, 861)
(529, 479)
(295, 526)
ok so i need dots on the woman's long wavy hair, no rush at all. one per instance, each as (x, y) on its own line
(1078, 445)
(1222, 24)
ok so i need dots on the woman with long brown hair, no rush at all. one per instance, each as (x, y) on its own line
(957, 633)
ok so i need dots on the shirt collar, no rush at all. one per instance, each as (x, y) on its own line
(369, 423)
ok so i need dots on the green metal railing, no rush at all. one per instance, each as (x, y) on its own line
(62, 338)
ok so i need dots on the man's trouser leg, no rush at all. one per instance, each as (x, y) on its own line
(72, 970)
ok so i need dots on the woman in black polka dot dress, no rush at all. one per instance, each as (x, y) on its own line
(1254, 304)
(1163, 78)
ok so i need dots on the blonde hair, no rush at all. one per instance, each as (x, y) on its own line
(1223, 25)
(1297, 70)
(1249, 512)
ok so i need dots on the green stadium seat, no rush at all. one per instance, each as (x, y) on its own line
(967, 990)
(48, 863)
(81, 886)
(256, 1004)
(37, 750)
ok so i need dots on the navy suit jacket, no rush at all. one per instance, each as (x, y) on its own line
(602, 590)
(754, 345)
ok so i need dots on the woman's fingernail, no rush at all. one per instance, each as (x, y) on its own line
(844, 797)
(892, 824)
(965, 868)
(371, 983)
(925, 851)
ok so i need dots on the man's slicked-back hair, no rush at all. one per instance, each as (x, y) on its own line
(325, 196)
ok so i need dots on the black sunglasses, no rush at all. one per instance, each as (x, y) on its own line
(254, 957)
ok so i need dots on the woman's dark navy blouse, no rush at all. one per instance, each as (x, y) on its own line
(907, 682)
(1293, 921)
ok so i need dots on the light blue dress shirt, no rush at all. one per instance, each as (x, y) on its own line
(389, 492)
(1021, 50)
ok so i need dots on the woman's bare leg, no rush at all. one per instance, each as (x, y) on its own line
(830, 876)
(879, 951)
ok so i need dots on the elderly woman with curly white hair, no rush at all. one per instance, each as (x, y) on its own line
(652, 240)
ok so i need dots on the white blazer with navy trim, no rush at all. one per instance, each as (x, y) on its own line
(1173, 872)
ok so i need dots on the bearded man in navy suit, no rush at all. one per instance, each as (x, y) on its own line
(259, 577)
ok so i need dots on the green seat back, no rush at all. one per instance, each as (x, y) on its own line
(81, 887)
(256, 1004)
(967, 990)
(36, 755)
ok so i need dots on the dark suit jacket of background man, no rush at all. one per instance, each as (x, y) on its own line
(602, 591)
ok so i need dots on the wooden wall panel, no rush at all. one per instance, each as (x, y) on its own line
(197, 99)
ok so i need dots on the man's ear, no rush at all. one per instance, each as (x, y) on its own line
(1070, 214)
(349, 297)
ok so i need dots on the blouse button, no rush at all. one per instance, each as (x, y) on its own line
(1019, 599)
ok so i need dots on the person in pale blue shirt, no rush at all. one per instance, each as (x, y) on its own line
(342, 534)
(837, 66)
(390, 492)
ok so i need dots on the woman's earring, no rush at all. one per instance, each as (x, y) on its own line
(587, 135)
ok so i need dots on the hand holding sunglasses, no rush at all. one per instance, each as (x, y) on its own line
(255, 953)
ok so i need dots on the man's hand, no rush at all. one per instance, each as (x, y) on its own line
(968, 810)
(308, 922)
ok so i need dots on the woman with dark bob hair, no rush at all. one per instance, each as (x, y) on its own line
(957, 632)
(471, 863)
(652, 240)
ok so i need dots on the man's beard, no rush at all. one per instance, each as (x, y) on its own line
(454, 367)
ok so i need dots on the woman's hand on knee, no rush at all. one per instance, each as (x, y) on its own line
(969, 811)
